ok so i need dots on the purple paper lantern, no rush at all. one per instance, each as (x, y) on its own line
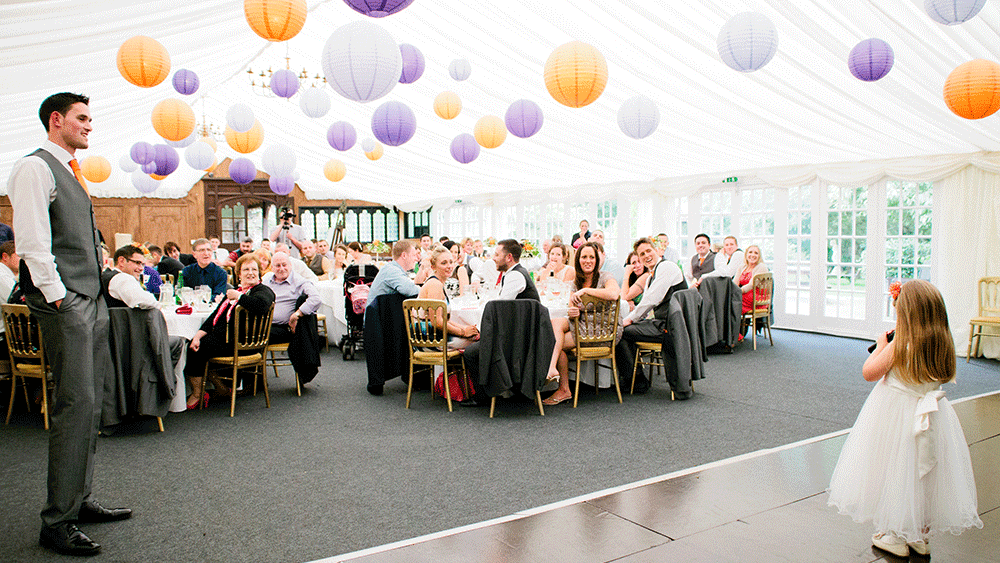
(341, 136)
(413, 63)
(523, 118)
(870, 60)
(185, 82)
(284, 83)
(242, 171)
(464, 148)
(149, 167)
(378, 8)
(141, 152)
(393, 123)
(166, 159)
(281, 185)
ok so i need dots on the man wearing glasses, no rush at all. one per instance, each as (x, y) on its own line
(204, 271)
(121, 283)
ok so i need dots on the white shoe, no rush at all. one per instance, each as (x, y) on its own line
(922, 547)
(890, 543)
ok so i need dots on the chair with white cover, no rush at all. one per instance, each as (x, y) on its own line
(988, 316)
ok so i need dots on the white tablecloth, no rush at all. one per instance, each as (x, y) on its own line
(185, 326)
(331, 292)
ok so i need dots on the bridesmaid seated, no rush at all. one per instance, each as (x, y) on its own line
(442, 264)
(589, 280)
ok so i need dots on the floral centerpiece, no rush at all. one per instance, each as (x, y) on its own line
(492, 241)
(894, 288)
(378, 248)
(528, 248)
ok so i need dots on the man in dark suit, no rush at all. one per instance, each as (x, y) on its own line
(59, 245)
(165, 265)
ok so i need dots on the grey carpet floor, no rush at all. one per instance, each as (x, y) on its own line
(338, 470)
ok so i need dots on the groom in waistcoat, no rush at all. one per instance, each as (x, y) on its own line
(60, 274)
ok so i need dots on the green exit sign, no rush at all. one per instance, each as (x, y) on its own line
(731, 180)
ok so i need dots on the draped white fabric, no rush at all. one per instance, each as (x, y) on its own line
(804, 108)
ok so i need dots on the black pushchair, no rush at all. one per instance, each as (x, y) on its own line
(356, 284)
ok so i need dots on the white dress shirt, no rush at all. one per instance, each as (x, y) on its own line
(666, 274)
(728, 268)
(128, 289)
(513, 285)
(31, 189)
(7, 282)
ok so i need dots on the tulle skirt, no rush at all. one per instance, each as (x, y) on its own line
(878, 476)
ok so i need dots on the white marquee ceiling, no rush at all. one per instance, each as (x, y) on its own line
(803, 107)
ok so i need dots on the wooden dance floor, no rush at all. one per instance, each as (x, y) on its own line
(765, 506)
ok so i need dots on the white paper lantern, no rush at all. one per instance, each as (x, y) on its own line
(748, 41)
(953, 12)
(314, 102)
(127, 164)
(459, 69)
(240, 118)
(144, 182)
(278, 160)
(362, 61)
(368, 144)
(186, 142)
(199, 156)
(638, 117)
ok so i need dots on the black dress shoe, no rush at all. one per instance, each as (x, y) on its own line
(473, 403)
(67, 539)
(91, 511)
(375, 389)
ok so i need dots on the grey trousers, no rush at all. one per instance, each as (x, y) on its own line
(75, 337)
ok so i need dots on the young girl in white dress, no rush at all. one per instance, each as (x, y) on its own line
(905, 465)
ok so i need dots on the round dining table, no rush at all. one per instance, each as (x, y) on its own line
(185, 326)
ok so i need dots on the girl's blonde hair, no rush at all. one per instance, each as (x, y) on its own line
(924, 349)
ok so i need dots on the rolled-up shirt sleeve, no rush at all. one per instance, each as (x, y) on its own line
(667, 276)
(31, 189)
(128, 289)
(313, 300)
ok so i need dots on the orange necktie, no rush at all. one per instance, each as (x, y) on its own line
(79, 175)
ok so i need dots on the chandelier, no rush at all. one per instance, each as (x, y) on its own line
(260, 80)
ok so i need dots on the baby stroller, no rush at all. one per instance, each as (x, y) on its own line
(356, 284)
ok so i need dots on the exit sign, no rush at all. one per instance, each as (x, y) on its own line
(731, 180)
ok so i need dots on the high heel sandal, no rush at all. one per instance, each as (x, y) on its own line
(200, 404)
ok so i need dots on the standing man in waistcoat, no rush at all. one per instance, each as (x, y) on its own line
(664, 278)
(60, 273)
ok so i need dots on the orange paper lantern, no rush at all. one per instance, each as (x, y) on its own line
(447, 105)
(490, 132)
(375, 153)
(246, 142)
(156, 177)
(972, 90)
(275, 20)
(576, 74)
(334, 170)
(173, 119)
(95, 168)
(143, 61)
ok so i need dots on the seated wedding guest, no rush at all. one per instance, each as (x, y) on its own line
(478, 249)
(204, 271)
(211, 341)
(459, 273)
(219, 255)
(582, 236)
(443, 264)
(744, 278)
(425, 246)
(667, 251)
(515, 282)
(340, 260)
(296, 301)
(323, 249)
(659, 284)
(246, 247)
(358, 255)
(152, 277)
(318, 263)
(6, 233)
(633, 272)
(174, 252)
(558, 265)
(728, 262)
(546, 246)
(394, 277)
(596, 236)
(264, 257)
(703, 261)
(106, 262)
(9, 263)
(298, 266)
(164, 264)
(122, 287)
(588, 280)
(266, 244)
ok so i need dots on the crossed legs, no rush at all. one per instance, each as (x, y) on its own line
(560, 363)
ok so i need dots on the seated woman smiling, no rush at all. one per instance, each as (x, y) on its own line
(590, 280)
(557, 266)
(442, 265)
